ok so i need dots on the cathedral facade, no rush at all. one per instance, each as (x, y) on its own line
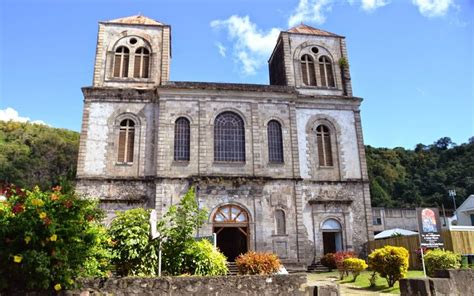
(279, 167)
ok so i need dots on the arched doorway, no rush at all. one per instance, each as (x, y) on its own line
(231, 225)
(332, 236)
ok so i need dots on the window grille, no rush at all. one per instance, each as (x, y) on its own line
(323, 136)
(280, 222)
(325, 69)
(229, 138)
(181, 139)
(142, 62)
(126, 141)
(275, 142)
(121, 60)
(307, 69)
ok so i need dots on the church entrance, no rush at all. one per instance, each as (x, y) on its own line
(231, 225)
(332, 236)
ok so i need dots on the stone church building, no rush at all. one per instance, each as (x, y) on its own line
(279, 167)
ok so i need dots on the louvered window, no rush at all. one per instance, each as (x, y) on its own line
(142, 62)
(126, 141)
(275, 142)
(325, 69)
(181, 139)
(280, 222)
(122, 55)
(307, 69)
(323, 136)
(229, 138)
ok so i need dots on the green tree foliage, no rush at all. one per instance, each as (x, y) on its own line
(33, 154)
(47, 239)
(135, 254)
(439, 259)
(423, 176)
(390, 262)
(182, 220)
(202, 258)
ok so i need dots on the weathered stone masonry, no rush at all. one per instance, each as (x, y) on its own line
(325, 207)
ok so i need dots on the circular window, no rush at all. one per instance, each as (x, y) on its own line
(133, 40)
(315, 50)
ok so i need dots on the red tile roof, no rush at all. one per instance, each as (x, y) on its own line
(136, 19)
(305, 29)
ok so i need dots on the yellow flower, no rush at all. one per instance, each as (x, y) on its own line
(27, 239)
(53, 238)
(17, 258)
(57, 287)
(70, 281)
(42, 215)
(37, 202)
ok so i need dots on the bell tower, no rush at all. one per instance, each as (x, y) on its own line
(312, 60)
(133, 51)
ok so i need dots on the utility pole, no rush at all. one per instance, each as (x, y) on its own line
(452, 194)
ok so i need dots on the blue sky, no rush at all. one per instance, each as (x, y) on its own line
(411, 60)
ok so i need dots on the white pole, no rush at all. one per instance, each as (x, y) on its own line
(159, 260)
(423, 260)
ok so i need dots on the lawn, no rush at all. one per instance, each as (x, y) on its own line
(363, 280)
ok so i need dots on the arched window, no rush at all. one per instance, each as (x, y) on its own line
(142, 62)
(307, 69)
(229, 137)
(126, 141)
(323, 136)
(325, 68)
(275, 142)
(280, 222)
(181, 139)
(121, 60)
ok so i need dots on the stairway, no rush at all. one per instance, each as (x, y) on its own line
(317, 267)
(232, 268)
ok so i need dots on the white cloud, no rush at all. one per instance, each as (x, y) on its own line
(371, 5)
(433, 8)
(252, 46)
(11, 114)
(312, 11)
(221, 48)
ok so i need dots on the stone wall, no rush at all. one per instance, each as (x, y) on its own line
(453, 282)
(232, 285)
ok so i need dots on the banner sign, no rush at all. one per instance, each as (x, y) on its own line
(429, 227)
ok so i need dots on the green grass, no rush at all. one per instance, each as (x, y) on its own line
(362, 281)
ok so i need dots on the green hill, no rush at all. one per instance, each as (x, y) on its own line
(32, 154)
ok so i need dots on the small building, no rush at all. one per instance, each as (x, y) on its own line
(465, 213)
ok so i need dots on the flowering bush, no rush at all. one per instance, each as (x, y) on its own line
(339, 257)
(355, 266)
(49, 238)
(390, 262)
(257, 263)
(329, 260)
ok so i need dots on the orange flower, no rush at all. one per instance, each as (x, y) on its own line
(54, 196)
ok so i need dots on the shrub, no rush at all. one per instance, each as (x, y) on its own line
(181, 221)
(439, 259)
(202, 258)
(257, 263)
(355, 266)
(390, 262)
(329, 260)
(339, 257)
(134, 252)
(48, 239)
